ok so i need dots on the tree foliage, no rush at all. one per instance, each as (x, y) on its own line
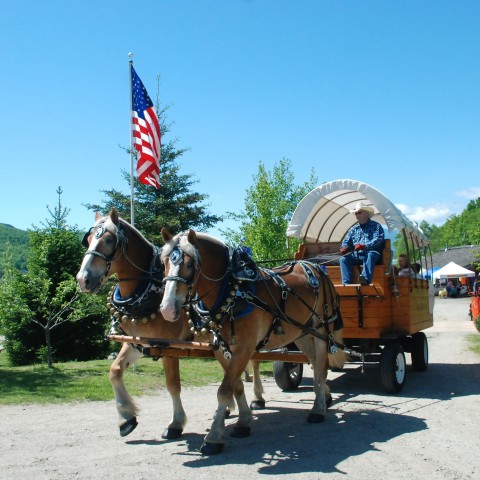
(269, 205)
(462, 229)
(34, 304)
(174, 205)
(13, 248)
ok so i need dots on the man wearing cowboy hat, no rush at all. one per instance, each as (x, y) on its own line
(362, 245)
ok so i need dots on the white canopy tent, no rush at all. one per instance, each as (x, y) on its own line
(452, 270)
(323, 215)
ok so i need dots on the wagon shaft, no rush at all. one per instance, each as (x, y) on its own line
(160, 347)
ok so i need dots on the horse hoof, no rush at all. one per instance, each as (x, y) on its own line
(328, 400)
(315, 418)
(240, 432)
(211, 448)
(257, 405)
(171, 433)
(128, 427)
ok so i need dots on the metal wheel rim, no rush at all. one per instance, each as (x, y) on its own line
(293, 371)
(400, 368)
(425, 350)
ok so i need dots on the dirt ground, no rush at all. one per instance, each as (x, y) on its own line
(431, 430)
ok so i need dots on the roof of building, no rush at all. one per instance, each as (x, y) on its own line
(466, 256)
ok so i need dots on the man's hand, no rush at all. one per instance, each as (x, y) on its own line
(344, 250)
(359, 246)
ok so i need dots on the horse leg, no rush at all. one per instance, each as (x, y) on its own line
(258, 402)
(231, 386)
(174, 430)
(242, 427)
(320, 388)
(127, 410)
(316, 352)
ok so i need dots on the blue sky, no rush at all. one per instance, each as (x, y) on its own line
(379, 91)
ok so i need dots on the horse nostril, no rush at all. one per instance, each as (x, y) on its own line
(86, 281)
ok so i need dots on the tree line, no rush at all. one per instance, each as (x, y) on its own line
(45, 318)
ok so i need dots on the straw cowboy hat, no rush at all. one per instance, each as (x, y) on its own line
(361, 206)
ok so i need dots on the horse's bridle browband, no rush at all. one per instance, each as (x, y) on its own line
(120, 237)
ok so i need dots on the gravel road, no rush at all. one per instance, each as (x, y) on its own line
(431, 430)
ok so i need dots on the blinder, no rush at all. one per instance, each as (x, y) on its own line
(85, 237)
(176, 257)
(100, 230)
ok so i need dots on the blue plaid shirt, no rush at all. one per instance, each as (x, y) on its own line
(370, 234)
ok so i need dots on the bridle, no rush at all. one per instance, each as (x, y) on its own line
(100, 231)
(176, 258)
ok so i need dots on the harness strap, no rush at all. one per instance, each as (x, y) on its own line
(311, 277)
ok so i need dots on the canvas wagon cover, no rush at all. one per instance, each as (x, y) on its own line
(323, 215)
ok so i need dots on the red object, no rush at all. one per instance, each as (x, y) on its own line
(475, 308)
(344, 250)
(145, 133)
(359, 246)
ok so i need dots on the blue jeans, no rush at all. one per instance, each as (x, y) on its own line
(368, 260)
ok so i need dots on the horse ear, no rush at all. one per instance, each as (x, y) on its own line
(166, 235)
(192, 237)
(114, 215)
(97, 215)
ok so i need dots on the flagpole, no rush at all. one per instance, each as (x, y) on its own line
(130, 63)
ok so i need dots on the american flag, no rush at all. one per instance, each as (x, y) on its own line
(145, 133)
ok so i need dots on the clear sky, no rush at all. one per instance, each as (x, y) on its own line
(380, 91)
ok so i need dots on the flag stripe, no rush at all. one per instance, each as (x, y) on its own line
(146, 135)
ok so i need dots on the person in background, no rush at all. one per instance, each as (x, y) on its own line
(363, 245)
(404, 268)
(476, 286)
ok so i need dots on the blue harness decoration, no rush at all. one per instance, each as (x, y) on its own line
(144, 303)
(237, 299)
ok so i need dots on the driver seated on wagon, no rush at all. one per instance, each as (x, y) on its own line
(363, 245)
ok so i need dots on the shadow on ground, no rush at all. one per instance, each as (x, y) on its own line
(283, 442)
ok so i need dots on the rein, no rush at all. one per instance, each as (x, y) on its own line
(176, 257)
(203, 320)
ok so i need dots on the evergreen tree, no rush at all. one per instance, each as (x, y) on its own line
(34, 304)
(174, 205)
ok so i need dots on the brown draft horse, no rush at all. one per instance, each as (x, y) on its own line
(294, 303)
(114, 246)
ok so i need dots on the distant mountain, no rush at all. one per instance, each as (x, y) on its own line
(17, 240)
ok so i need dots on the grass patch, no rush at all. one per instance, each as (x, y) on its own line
(474, 343)
(79, 381)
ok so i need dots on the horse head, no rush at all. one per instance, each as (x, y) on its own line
(105, 242)
(181, 260)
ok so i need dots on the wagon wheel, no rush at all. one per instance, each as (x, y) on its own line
(419, 352)
(287, 375)
(392, 368)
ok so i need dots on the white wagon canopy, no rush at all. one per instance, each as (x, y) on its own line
(384, 318)
(323, 215)
(452, 270)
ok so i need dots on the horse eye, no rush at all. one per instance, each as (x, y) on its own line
(190, 264)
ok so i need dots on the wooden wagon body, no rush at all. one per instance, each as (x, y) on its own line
(389, 307)
(386, 318)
